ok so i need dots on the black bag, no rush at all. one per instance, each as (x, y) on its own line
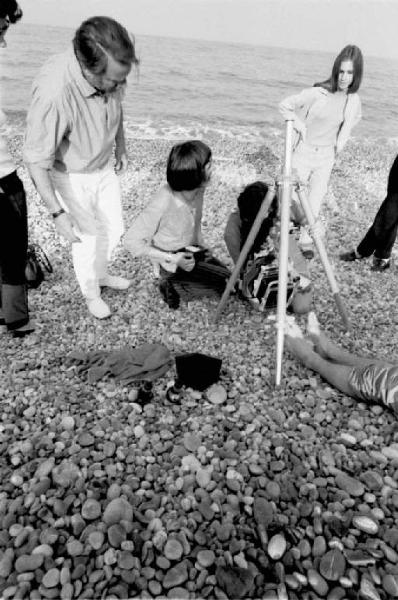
(37, 264)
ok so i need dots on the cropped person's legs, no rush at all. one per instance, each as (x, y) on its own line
(334, 373)
(13, 247)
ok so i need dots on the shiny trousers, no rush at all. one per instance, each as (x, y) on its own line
(94, 203)
(13, 247)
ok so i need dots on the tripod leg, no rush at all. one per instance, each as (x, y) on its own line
(262, 213)
(323, 256)
(283, 250)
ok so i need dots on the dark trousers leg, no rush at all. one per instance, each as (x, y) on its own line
(381, 236)
(13, 246)
(208, 278)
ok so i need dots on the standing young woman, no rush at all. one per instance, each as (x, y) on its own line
(323, 117)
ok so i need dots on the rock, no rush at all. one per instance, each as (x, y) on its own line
(91, 509)
(390, 585)
(117, 510)
(216, 394)
(372, 480)
(66, 474)
(173, 550)
(277, 546)
(67, 423)
(391, 452)
(96, 539)
(192, 441)
(175, 576)
(317, 582)
(352, 486)
(116, 535)
(6, 563)
(235, 581)
(44, 468)
(203, 477)
(332, 565)
(368, 590)
(51, 578)
(365, 523)
(206, 558)
(28, 562)
(85, 439)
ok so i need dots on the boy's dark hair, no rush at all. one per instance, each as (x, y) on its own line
(186, 165)
(249, 203)
(99, 36)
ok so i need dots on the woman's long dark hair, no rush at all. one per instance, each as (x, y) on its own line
(249, 202)
(354, 54)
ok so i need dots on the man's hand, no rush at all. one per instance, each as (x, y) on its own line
(64, 226)
(122, 161)
(185, 261)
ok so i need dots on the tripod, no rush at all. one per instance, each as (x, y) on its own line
(286, 186)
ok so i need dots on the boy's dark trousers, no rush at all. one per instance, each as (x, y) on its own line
(380, 238)
(207, 278)
(13, 248)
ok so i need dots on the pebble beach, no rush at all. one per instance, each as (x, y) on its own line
(242, 491)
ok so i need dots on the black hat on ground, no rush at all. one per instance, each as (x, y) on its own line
(198, 371)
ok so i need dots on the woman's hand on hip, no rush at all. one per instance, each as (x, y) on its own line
(301, 129)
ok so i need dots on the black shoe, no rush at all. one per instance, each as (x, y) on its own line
(380, 264)
(169, 294)
(350, 256)
(23, 331)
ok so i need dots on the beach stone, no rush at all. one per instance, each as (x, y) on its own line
(277, 546)
(235, 581)
(366, 524)
(206, 558)
(126, 560)
(96, 539)
(349, 484)
(85, 439)
(43, 549)
(116, 535)
(332, 565)
(390, 452)
(67, 423)
(175, 576)
(6, 563)
(216, 394)
(317, 582)
(372, 480)
(173, 550)
(51, 578)
(191, 441)
(203, 477)
(66, 474)
(44, 468)
(28, 562)
(117, 510)
(368, 590)
(390, 585)
(91, 509)
(74, 547)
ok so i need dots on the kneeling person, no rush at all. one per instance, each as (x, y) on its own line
(168, 231)
(261, 264)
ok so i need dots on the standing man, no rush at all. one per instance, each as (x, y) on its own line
(75, 119)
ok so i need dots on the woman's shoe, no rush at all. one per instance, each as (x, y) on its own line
(307, 250)
(23, 331)
(380, 264)
(350, 256)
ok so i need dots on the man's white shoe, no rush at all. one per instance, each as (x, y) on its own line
(115, 282)
(98, 308)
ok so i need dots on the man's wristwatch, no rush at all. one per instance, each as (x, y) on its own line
(57, 213)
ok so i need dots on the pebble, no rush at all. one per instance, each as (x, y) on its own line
(173, 550)
(51, 578)
(366, 524)
(117, 510)
(277, 546)
(28, 562)
(216, 394)
(67, 423)
(206, 558)
(175, 576)
(91, 509)
(349, 484)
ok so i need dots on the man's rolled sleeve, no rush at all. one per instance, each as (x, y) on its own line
(46, 127)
